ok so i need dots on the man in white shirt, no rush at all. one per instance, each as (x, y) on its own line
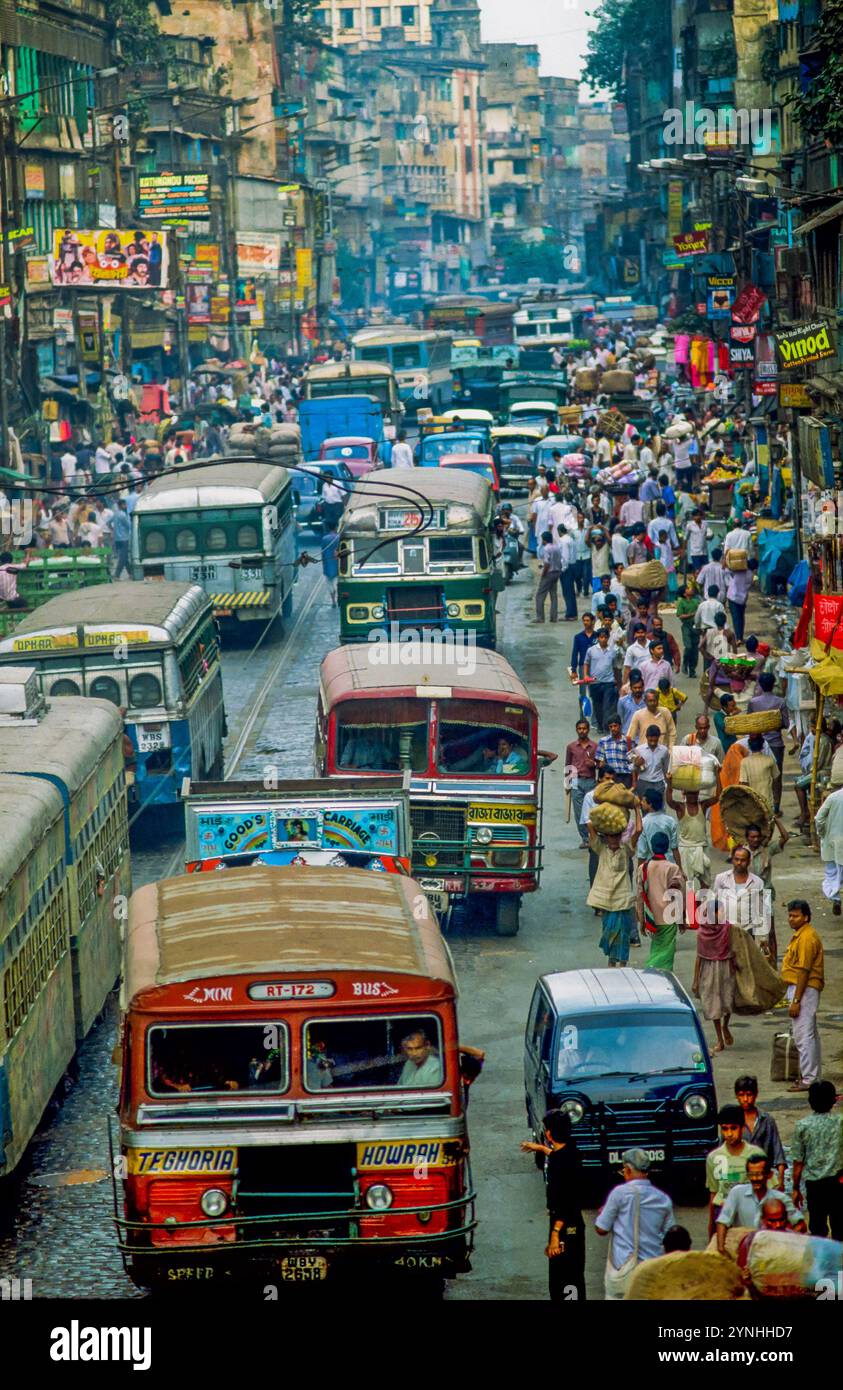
(708, 610)
(604, 451)
(102, 461)
(737, 539)
(68, 465)
(631, 512)
(402, 454)
(697, 536)
(647, 457)
(422, 1066)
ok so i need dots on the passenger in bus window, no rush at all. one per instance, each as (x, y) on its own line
(422, 1066)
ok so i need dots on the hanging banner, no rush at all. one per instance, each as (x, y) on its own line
(828, 619)
(720, 296)
(810, 342)
(34, 181)
(20, 237)
(304, 267)
(747, 306)
(766, 367)
(794, 396)
(815, 451)
(198, 303)
(674, 208)
(174, 195)
(691, 244)
(208, 253)
(741, 349)
(109, 259)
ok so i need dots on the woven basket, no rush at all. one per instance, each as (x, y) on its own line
(760, 721)
(649, 575)
(737, 560)
(741, 807)
(609, 820)
(613, 794)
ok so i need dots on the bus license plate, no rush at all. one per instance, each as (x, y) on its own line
(654, 1155)
(152, 740)
(438, 901)
(200, 572)
(303, 1269)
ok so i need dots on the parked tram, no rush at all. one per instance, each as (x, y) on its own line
(64, 864)
(152, 651)
(229, 527)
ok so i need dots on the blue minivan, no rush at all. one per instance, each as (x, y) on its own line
(623, 1052)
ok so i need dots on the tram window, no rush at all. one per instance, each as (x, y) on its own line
(247, 537)
(65, 687)
(154, 543)
(402, 1050)
(455, 550)
(480, 737)
(382, 735)
(144, 691)
(217, 1058)
(216, 538)
(106, 688)
(185, 539)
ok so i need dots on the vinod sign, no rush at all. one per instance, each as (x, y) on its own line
(810, 342)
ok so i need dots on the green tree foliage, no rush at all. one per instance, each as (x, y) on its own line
(141, 41)
(525, 260)
(819, 108)
(627, 33)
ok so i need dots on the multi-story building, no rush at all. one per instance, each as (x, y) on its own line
(512, 120)
(362, 23)
(562, 189)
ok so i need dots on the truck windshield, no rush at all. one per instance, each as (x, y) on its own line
(648, 1044)
(382, 735)
(478, 736)
(402, 1050)
(217, 1058)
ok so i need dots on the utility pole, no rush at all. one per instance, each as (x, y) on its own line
(6, 279)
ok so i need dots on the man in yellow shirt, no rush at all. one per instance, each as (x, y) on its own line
(803, 972)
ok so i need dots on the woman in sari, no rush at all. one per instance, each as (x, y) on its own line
(714, 975)
(730, 776)
(660, 902)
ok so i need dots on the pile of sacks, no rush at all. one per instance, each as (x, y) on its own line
(279, 444)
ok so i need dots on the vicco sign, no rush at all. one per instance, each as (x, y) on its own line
(810, 342)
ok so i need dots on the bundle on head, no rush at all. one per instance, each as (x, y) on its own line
(613, 794)
(608, 819)
(759, 721)
(742, 807)
(612, 423)
(651, 574)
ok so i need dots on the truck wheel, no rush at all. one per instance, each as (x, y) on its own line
(508, 908)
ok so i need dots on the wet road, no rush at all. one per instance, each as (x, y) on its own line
(59, 1233)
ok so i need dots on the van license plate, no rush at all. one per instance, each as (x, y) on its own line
(654, 1155)
(438, 901)
(303, 1269)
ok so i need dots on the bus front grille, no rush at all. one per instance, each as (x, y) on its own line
(438, 832)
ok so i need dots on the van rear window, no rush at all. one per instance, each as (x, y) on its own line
(625, 1044)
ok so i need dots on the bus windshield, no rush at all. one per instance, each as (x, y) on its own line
(217, 1058)
(402, 1051)
(484, 736)
(438, 445)
(377, 387)
(382, 735)
(646, 1043)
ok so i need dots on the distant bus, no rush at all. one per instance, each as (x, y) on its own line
(64, 863)
(152, 651)
(543, 324)
(229, 527)
(482, 318)
(420, 358)
(373, 377)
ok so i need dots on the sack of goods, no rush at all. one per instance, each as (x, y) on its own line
(758, 987)
(686, 768)
(617, 383)
(759, 721)
(646, 360)
(242, 439)
(608, 819)
(737, 560)
(649, 575)
(587, 379)
(687, 1275)
(613, 794)
(741, 807)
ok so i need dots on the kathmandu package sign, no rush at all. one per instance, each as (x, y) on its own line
(109, 259)
(174, 195)
(810, 342)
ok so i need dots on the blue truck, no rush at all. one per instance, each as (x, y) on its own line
(328, 417)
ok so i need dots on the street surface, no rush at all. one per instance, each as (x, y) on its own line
(59, 1234)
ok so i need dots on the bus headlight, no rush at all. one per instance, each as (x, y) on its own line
(483, 834)
(378, 611)
(379, 1197)
(213, 1202)
(574, 1109)
(506, 858)
(357, 613)
(453, 610)
(695, 1107)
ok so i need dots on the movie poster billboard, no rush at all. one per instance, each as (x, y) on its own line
(109, 259)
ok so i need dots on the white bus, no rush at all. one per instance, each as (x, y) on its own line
(543, 323)
(420, 359)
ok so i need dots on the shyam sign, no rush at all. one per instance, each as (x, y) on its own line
(810, 342)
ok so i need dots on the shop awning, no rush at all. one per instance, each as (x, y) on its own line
(830, 214)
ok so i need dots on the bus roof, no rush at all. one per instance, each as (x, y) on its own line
(335, 371)
(349, 673)
(397, 333)
(160, 603)
(266, 920)
(433, 484)
(67, 741)
(28, 808)
(214, 485)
